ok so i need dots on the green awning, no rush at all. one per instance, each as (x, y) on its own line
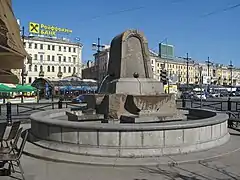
(24, 88)
(4, 88)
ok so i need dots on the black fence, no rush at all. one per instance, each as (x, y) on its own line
(218, 105)
(229, 106)
(24, 110)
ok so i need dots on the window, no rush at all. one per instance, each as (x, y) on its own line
(35, 56)
(41, 57)
(74, 60)
(69, 69)
(74, 49)
(59, 58)
(41, 68)
(59, 48)
(30, 67)
(48, 69)
(64, 58)
(35, 46)
(64, 49)
(53, 58)
(64, 69)
(41, 46)
(49, 47)
(53, 69)
(30, 45)
(74, 70)
(59, 69)
(69, 59)
(53, 47)
(29, 80)
(48, 57)
(69, 49)
(35, 68)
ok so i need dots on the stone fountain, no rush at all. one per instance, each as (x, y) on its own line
(130, 94)
(131, 117)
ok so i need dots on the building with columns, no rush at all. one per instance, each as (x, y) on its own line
(176, 68)
(52, 58)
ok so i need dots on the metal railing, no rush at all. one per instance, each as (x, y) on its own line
(23, 111)
(229, 106)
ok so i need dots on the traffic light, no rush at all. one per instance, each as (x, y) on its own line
(163, 76)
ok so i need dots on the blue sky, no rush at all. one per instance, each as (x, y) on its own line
(181, 21)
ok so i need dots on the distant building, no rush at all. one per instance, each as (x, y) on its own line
(52, 58)
(176, 68)
(101, 59)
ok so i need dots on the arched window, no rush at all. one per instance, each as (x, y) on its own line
(69, 69)
(41, 68)
(53, 69)
(64, 69)
(30, 67)
(74, 70)
(48, 69)
(59, 69)
(35, 68)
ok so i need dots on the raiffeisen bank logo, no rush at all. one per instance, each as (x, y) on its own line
(47, 30)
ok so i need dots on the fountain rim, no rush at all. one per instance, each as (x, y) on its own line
(216, 118)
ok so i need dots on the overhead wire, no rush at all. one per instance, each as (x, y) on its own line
(126, 10)
(222, 10)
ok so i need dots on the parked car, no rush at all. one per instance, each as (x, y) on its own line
(214, 95)
(186, 95)
(199, 96)
(78, 99)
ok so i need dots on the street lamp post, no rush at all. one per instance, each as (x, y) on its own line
(231, 73)
(187, 72)
(98, 46)
(168, 79)
(201, 79)
(209, 63)
(23, 73)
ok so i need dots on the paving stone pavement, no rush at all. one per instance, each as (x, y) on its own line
(224, 168)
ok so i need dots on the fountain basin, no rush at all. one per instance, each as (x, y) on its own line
(129, 140)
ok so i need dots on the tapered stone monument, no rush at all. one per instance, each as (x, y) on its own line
(129, 93)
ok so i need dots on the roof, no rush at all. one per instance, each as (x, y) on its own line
(53, 40)
(12, 52)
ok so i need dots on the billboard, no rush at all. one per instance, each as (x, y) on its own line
(166, 51)
(46, 30)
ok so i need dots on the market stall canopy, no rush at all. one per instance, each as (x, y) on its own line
(4, 88)
(25, 88)
(12, 52)
(6, 76)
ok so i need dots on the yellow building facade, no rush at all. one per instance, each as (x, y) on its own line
(177, 71)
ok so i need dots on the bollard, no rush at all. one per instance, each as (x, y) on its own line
(229, 104)
(60, 104)
(183, 103)
(9, 113)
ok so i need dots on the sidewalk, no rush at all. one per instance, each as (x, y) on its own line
(224, 168)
